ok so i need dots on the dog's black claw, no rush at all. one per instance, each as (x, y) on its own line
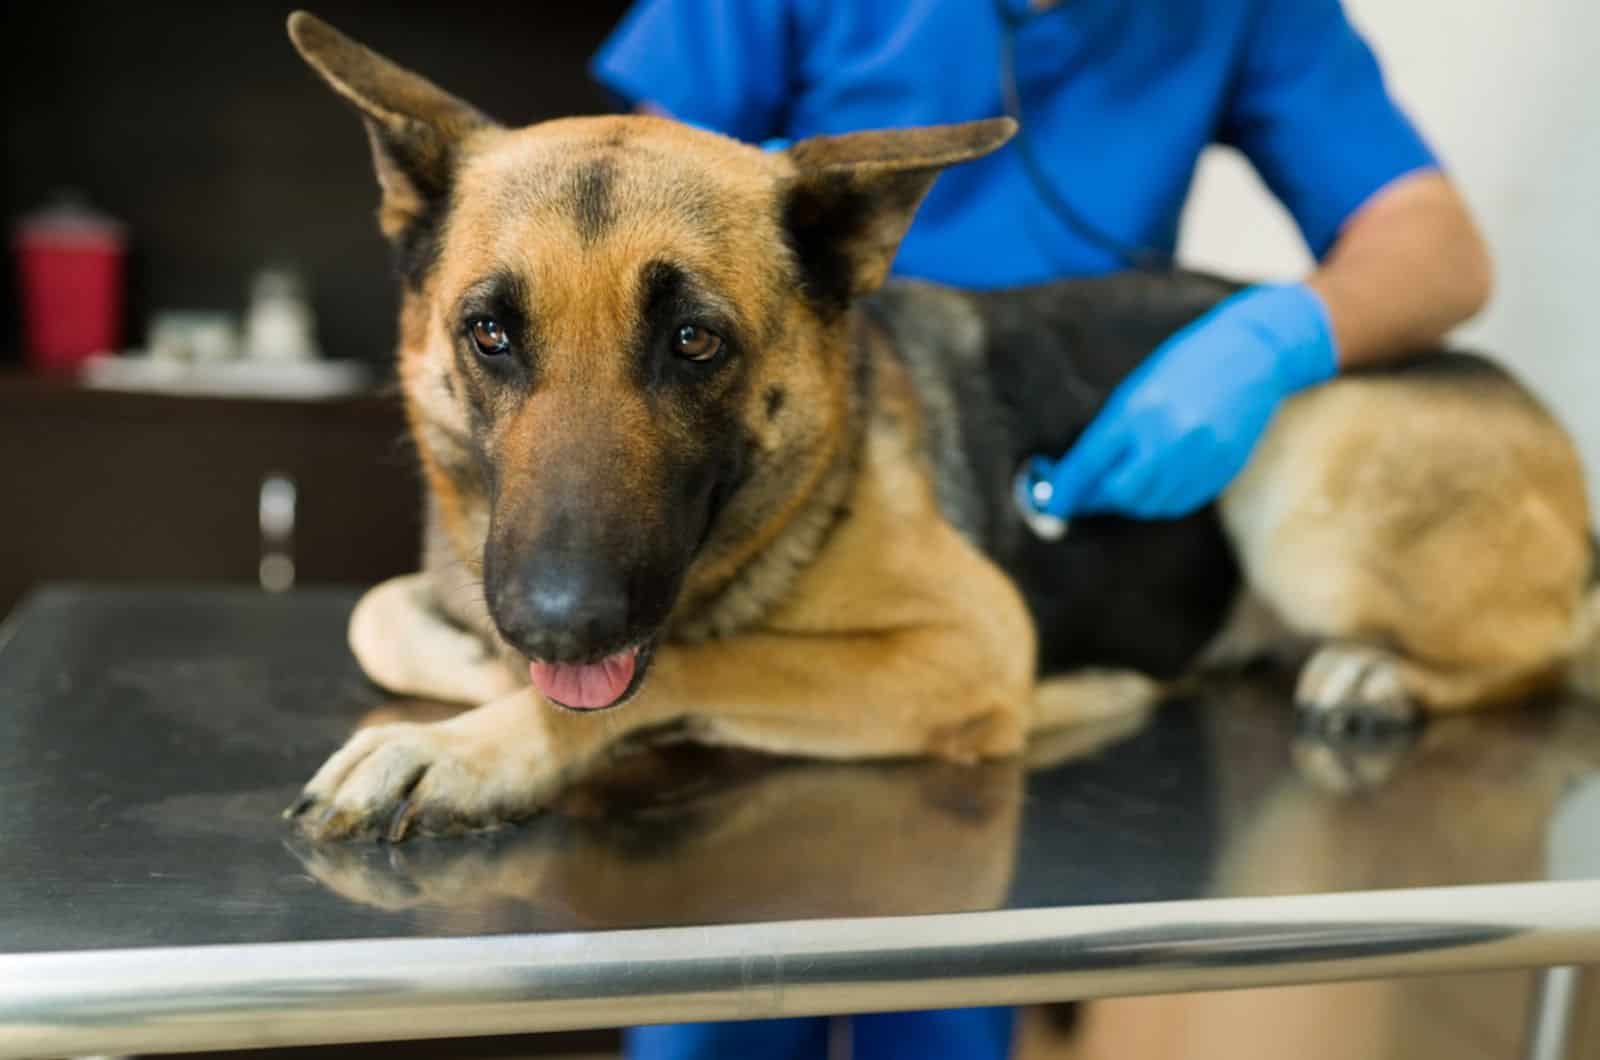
(300, 806)
(319, 824)
(400, 821)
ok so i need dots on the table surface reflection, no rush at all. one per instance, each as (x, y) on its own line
(149, 738)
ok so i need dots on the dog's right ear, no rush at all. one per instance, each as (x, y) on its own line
(413, 125)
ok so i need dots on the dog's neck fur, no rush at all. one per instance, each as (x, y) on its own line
(740, 600)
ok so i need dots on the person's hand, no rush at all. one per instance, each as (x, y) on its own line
(1176, 432)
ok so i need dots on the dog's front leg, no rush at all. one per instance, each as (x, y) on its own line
(908, 692)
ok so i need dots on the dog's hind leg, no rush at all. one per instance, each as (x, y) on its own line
(1430, 533)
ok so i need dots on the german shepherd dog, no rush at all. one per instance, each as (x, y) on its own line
(691, 464)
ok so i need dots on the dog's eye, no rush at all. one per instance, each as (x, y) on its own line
(488, 337)
(694, 343)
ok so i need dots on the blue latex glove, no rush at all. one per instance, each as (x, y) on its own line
(1176, 432)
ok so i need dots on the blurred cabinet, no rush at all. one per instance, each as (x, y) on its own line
(120, 486)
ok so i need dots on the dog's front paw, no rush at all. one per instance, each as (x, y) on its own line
(390, 781)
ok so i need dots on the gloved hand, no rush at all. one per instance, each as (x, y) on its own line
(1177, 431)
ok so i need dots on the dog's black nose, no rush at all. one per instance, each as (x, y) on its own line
(559, 611)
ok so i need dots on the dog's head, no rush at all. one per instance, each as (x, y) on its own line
(624, 342)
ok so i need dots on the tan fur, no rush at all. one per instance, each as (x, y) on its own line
(832, 611)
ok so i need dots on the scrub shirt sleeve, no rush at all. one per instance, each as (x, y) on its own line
(1309, 108)
(723, 64)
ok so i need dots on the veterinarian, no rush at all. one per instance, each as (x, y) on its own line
(1116, 99)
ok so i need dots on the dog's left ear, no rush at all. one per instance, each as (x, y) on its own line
(415, 126)
(853, 198)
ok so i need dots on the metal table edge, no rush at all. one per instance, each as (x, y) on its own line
(302, 993)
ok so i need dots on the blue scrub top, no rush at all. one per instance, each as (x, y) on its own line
(1119, 98)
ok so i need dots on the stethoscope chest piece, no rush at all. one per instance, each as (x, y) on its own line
(1030, 493)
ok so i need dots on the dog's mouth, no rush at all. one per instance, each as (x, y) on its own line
(597, 685)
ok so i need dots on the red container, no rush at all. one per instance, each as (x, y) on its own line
(70, 265)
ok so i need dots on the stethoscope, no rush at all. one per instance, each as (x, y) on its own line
(1031, 489)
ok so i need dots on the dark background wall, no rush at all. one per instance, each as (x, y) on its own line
(199, 126)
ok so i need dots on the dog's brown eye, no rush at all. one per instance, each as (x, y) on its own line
(693, 342)
(488, 336)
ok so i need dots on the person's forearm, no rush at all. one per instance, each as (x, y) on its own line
(1408, 266)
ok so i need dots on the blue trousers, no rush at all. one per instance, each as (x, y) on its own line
(949, 1034)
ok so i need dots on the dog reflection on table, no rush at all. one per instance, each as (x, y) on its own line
(1471, 803)
(678, 833)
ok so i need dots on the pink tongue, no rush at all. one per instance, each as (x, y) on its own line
(587, 687)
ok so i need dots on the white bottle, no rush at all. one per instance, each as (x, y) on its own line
(279, 325)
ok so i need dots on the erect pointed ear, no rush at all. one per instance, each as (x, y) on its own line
(413, 125)
(853, 198)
